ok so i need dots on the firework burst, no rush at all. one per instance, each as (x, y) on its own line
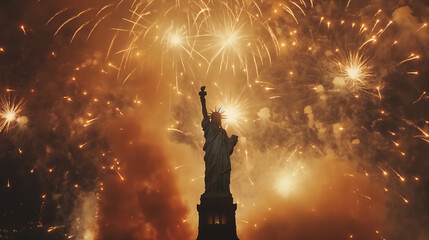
(9, 112)
(354, 72)
(238, 38)
(186, 38)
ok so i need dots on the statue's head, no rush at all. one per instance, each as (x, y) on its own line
(216, 118)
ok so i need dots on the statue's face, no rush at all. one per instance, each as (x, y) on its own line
(218, 122)
(216, 118)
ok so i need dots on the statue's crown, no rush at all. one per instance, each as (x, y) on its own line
(217, 113)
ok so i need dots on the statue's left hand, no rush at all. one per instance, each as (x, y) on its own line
(232, 142)
(234, 138)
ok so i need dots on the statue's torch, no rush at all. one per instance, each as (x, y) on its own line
(202, 93)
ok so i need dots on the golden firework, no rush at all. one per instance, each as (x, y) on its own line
(9, 110)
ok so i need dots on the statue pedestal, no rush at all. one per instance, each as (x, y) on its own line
(217, 217)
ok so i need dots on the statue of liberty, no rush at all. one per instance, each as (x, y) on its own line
(218, 148)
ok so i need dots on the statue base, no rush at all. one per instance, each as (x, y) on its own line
(217, 217)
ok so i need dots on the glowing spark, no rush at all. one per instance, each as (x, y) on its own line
(89, 122)
(250, 180)
(426, 135)
(9, 110)
(348, 3)
(422, 131)
(82, 145)
(378, 12)
(423, 26)
(290, 11)
(112, 66)
(399, 176)
(262, 82)
(420, 98)
(77, 30)
(194, 179)
(23, 30)
(175, 168)
(68, 98)
(122, 178)
(71, 19)
(117, 109)
(383, 171)
(8, 183)
(50, 229)
(372, 39)
(56, 14)
(410, 58)
(379, 94)
(384, 29)
(375, 24)
(362, 28)
(175, 130)
(404, 199)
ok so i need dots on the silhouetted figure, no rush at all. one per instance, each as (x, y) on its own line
(217, 210)
(218, 148)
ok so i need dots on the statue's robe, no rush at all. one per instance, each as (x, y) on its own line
(218, 148)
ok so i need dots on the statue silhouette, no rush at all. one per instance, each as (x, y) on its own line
(217, 210)
(218, 148)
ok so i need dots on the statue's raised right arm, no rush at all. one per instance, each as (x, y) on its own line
(203, 94)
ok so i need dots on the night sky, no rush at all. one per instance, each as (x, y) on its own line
(104, 141)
